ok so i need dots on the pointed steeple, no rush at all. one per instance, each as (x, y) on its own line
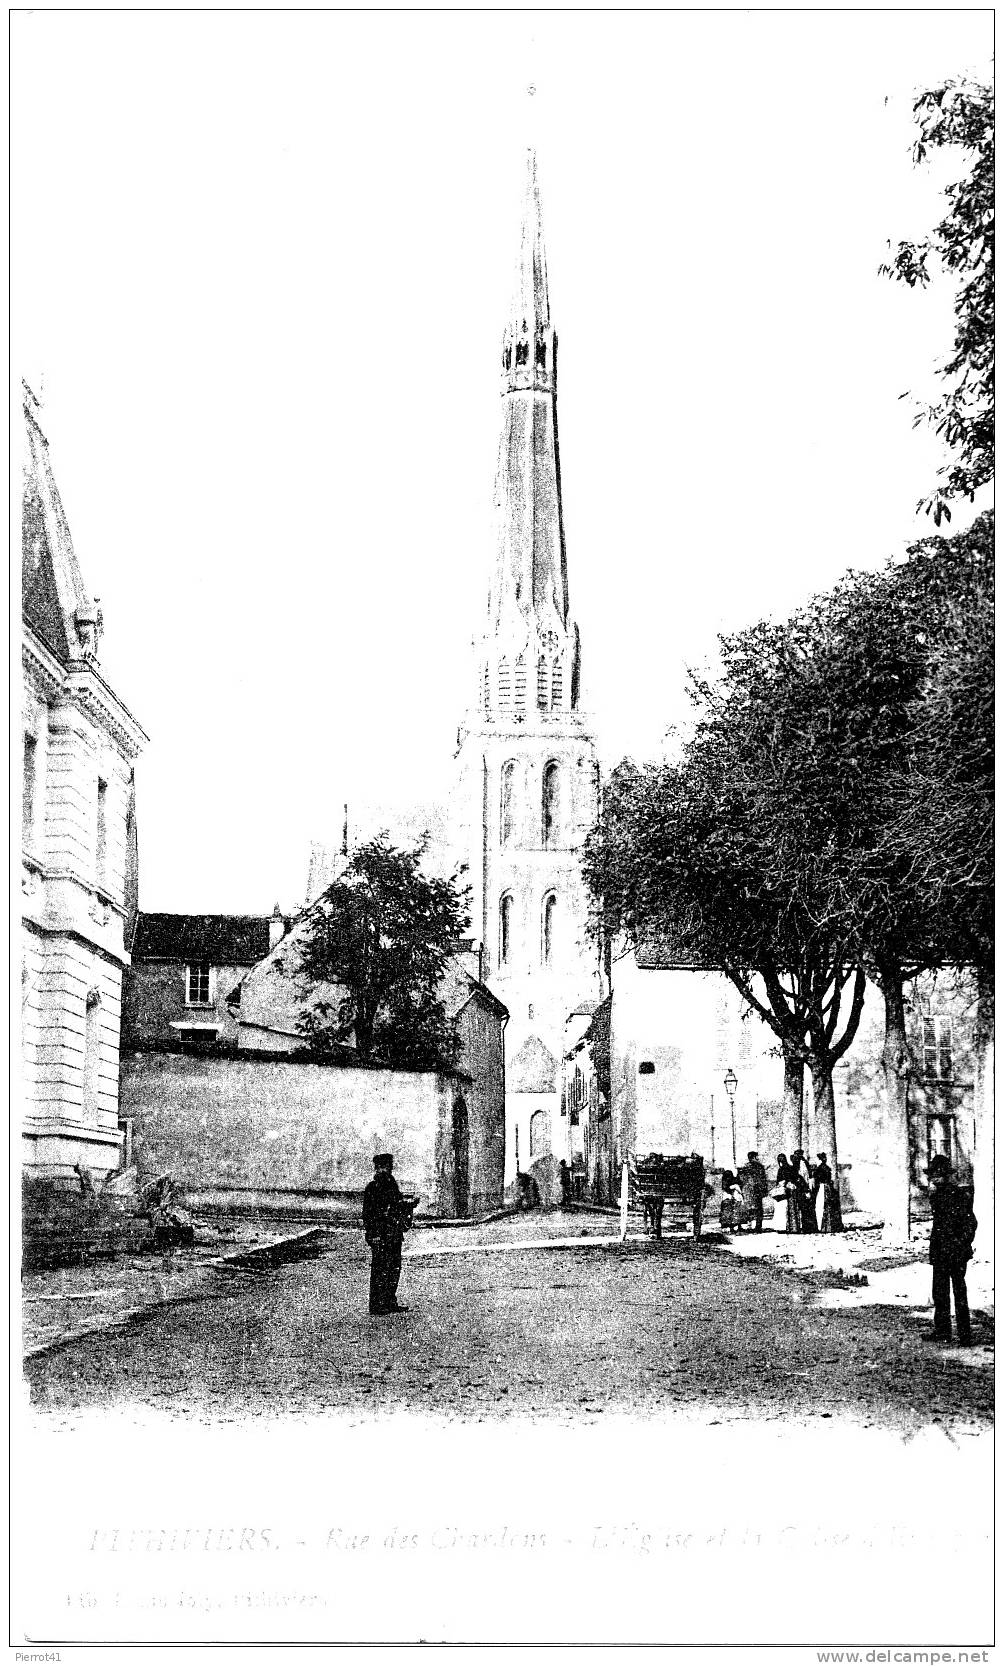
(528, 344)
(530, 658)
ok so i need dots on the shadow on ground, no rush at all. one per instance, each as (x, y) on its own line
(565, 1332)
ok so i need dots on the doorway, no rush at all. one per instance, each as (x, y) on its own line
(461, 1158)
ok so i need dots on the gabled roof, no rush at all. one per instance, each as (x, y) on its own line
(222, 939)
(533, 1070)
(52, 585)
(659, 950)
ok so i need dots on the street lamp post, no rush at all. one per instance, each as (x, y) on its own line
(731, 1083)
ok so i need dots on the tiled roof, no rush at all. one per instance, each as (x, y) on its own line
(659, 950)
(52, 587)
(222, 939)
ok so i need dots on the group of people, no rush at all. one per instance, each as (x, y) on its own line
(808, 1195)
(806, 1192)
(743, 1194)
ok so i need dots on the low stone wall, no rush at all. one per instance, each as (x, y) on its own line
(238, 1126)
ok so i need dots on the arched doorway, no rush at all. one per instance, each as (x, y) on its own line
(461, 1157)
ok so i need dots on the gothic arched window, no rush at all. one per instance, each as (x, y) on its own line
(520, 686)
(508, 773)
(486, 692)
(551, 796)
(548, 931)
(542, 688)
(540, 1134)
(505, 685)
(505, 930)
(556, 685)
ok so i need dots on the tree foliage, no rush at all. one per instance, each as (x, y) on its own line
(830, 816)
(960, 115)
(942, 800)
(382, 934)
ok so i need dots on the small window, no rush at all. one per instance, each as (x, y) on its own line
(505, 685)
(508, 773)
(92, 1053)
(646, 1068)
(550, 805)
(197, 984)
(549, 925)
(542, 690)
(101, 835)
(28, 789)
(540, 1134)
(941, 1138)
(938, 1050)
(505, 930)
(556, 685)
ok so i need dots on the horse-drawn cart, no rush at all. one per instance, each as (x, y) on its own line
(677, 1182)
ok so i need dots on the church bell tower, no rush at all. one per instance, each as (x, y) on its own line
(528, 773)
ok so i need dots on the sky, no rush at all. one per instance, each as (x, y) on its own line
(261, 268)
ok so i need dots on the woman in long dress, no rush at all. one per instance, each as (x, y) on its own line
(787, 1184)
(731, 1214)
(824, 1195)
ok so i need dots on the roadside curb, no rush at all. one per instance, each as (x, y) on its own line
(259, 1257)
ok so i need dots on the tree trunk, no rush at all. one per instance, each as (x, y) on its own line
(896, 1143)
(983, 1108)
(825, 1126)
(791, 1105)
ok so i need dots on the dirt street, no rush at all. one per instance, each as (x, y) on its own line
(566, 1332)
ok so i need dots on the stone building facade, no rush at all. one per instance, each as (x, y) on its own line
(78, 846)
(528, 775)
(677, 1030)
(185, 968)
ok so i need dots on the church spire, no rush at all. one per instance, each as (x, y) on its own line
(527, 347)
(529, 668)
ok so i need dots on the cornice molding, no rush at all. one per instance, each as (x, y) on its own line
(81, 685)
(96, 700)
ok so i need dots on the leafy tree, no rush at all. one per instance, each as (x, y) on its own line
(739, 852)
(881, 639)
(815, 828)
(942, 823)
(382, 935)
(960, 115)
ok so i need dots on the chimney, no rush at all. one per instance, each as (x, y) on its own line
(276, 928)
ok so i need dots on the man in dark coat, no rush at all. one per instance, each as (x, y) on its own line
(953, 1228)
(386, 1216)
(753, 1179)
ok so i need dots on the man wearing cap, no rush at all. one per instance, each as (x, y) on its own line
(386, 1216)
(753, 1179)
(953, 1228)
